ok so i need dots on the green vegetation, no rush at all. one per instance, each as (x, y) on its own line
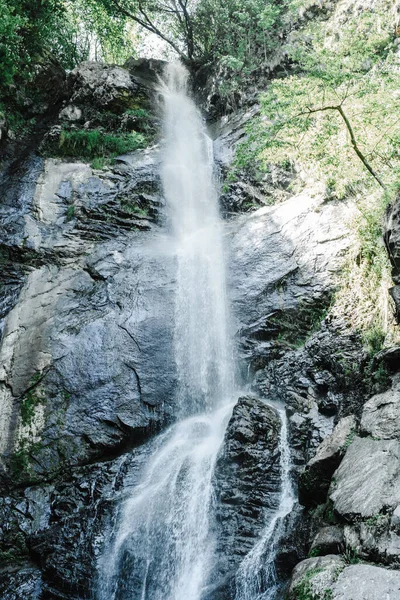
(13, 546)
(330, 108)
(325, 513)
(349, 439)
(351, 556)
(377, 522)
(29, 402)
(96, 144)
(70, 212)
(294, 330)
(32, 31)
(304, 589)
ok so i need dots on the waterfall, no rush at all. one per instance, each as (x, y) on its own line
(162, 548)
(203, 351)
(256, 578)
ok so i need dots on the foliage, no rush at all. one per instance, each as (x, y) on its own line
(70, 212)
(363, 288)
(38, 34)
(90, 144)
(351, 556)
(98, 34)
(239, 33)
(31, 399)
(352, 66)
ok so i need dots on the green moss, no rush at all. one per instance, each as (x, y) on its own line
(296, 328)
(303, 590)
(349, 441)
(351, 556)
(133, 208)
(70, 212)
(28, 405)
(13, 547)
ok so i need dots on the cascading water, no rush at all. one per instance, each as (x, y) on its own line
(256, 578)
(162, 549)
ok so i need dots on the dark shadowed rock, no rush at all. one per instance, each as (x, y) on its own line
(22, 584)
(329, 540)
(315, 480)
(246, 483)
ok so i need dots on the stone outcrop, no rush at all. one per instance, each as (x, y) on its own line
(247, 485)
(315, 479)
(381, 414)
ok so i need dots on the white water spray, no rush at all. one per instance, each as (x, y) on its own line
(163, 549)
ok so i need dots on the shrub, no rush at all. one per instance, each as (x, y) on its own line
(95, 144)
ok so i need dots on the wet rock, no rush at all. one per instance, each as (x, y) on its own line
(108, 87)
(381, 414)
(282, 268)
(24, 584)
(368, 479)
(294, 542)
(75, 326)
(314, 482)
(146, 71)
(247, 485)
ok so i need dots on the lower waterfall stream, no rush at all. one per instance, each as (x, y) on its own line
(162, 547)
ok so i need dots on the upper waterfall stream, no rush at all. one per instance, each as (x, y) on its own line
(163, 546)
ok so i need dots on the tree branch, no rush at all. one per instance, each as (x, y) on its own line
(146, 23)
(353, 140)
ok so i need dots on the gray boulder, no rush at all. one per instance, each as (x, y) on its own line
(381, 414)
(106, 86)
(314, 576)
(329, 577)
(368, 479)
(367, 582)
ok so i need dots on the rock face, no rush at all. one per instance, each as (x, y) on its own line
(85, 326)
(106, 86)
(381, 414)
(247, 485)
(87, 372)
(315, 480)
(283, 262)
